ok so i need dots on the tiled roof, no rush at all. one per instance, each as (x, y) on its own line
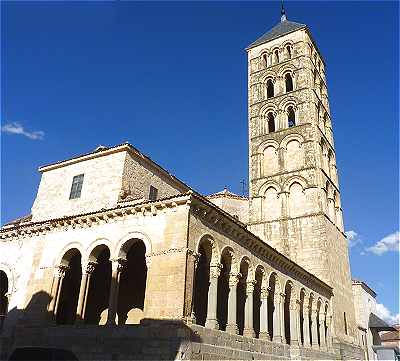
(379, 324)
(226, 194)
(283, 28)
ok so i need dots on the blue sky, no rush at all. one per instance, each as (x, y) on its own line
(171, 78)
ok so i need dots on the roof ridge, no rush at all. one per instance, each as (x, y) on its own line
(282, 28)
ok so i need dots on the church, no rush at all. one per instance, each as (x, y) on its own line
(120, 260)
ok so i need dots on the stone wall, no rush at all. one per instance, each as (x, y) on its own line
(155, 340)
(101, 187)
(139, 174)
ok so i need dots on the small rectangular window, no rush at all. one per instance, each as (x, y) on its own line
(76, 187)
(153, 193)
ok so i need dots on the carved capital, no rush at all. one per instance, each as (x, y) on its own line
(293, 304)
(264, 292)
(118, 264)
(234, 279)
(90, 267)
(215, 270)
(250, 286)
(60, 271)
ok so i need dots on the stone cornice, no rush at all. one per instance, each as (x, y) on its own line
(86, 220)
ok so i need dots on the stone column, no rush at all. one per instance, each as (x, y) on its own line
(284, 195)
(59, 275)
(117, 267)
(306, 324)
(314, 328)
(231, 326)
(83, 291)
(277, 324)
(264, 314)
(322, 330)
(328, 337)
(294, 311)
(248, 310)
(212, 321)
(192, 317)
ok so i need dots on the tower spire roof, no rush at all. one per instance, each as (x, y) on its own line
(282, 28)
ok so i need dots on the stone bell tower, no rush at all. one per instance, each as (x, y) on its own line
(294, 191)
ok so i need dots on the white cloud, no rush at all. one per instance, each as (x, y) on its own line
(353, 238)
(17, 128)
(383, 313)
(389, 243)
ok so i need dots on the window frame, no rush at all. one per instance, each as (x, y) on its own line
(153, 193)
(76, 186)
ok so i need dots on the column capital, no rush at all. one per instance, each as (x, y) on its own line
(314, 312)
(118, 264)
(294, 304)
(265, 292)
(215, 270)
(90, 267)
(234, 279)
(250, 286)
(60, 270)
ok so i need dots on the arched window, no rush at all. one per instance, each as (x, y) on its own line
(272, 204)
(271, 123)
(270, 88)
(288, 52)
(345, 323)
(288, 83)
(276, 57)
(291, 117)
(265, 59)
(297, 200)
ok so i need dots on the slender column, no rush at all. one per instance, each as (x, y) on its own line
(314, 328)
(306, 324)
(282, 317)
(264, 314)
(231, 326)
(117, 267)
(294, 311)
(322, 330)
(192, 317)
(83, 291)
(58, 281)
(276, 324)
(328, 337)
(248, 310)
(212, 321)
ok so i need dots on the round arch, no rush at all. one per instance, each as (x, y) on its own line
(295, 179)
(67, 252)
(124, 244)
(216, 255)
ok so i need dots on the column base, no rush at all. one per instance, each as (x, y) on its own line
(232, 329)
(307, 345)
(213, 324)
(265, 336)
(249, 332)
(277, 339)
